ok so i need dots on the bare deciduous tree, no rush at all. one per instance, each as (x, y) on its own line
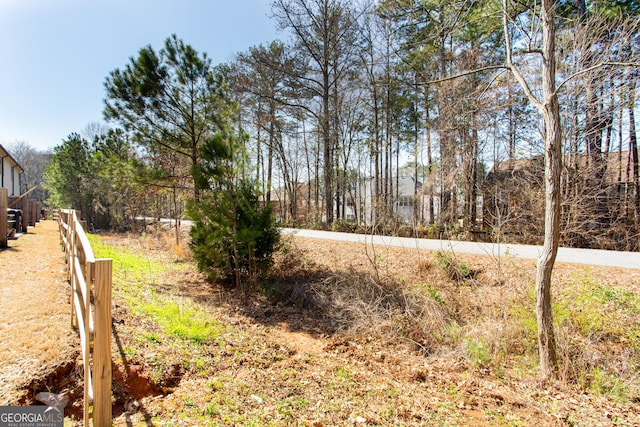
(549, 109)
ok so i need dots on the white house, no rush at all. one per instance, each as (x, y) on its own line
(11, 173)
(407, 195)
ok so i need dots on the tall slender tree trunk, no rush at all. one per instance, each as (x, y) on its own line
(474, 171)
(446, 161)
(553, 169)
(550, 110)
(317, 174)
(376, 200)
(512, 124)
(326, 133)
(430, 183)
(259, 151)
(415, 170)
(272, 141)
(633, 148)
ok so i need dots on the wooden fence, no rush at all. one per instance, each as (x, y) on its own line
(90, 280)
(30, 215)
(3, 217)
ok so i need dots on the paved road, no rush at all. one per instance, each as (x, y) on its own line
(570, 255)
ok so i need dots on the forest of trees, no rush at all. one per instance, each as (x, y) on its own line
(393, 116)
(364, 97)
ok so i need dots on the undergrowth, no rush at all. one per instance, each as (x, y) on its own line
(597, 326)
(136, 285)
(457, 270)
(243, 376)
(597, 332)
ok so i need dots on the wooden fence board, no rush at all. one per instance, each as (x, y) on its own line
(4, 201)
(90, 277)
(102, 343)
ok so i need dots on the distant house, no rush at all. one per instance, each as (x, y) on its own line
(513, 190)
(11, 173)
(283, 205)
(513, 196)
(355, 206)
(410, 199)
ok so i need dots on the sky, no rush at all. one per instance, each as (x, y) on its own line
(56, 54)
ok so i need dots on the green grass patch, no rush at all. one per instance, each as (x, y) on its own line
(127, 264)
(181, 319)
(598, 310)
(134, 276)
(590, 318)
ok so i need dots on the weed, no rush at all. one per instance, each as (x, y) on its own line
(153, 338)
(392, 392)
(342, 373)
(477, 351)
(129, 351)
(215, 384)
(455, 269)
(199, 362)
(212, 409)
(435, 294)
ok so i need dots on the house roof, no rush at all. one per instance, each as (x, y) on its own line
(617, 164)
(616, 167)
(5, 154)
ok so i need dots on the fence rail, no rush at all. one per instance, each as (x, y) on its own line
(90, 280)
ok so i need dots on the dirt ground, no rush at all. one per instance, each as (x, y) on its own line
(35, 334)
(278, 364)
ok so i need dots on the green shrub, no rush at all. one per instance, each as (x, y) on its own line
(233, 236)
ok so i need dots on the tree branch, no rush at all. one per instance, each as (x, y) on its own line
(516, 73)
(467, 73)
(595, 67)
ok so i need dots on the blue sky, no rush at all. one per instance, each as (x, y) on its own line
(56, 54)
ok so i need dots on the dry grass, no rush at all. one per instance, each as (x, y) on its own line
(346, 334)
(35, 314)
(483, 314)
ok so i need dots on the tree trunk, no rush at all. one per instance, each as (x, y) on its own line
(259, 151)
(474, 171)
(429, 180)
(272, 132)
(553, 169)
(633, 148)
(416, 219)
(327, 157)
(550, 110)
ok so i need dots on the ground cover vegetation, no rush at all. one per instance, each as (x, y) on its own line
(366, 335)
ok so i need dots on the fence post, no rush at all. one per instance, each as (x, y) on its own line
(25, 216)
(4, 201)
(102, 344)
